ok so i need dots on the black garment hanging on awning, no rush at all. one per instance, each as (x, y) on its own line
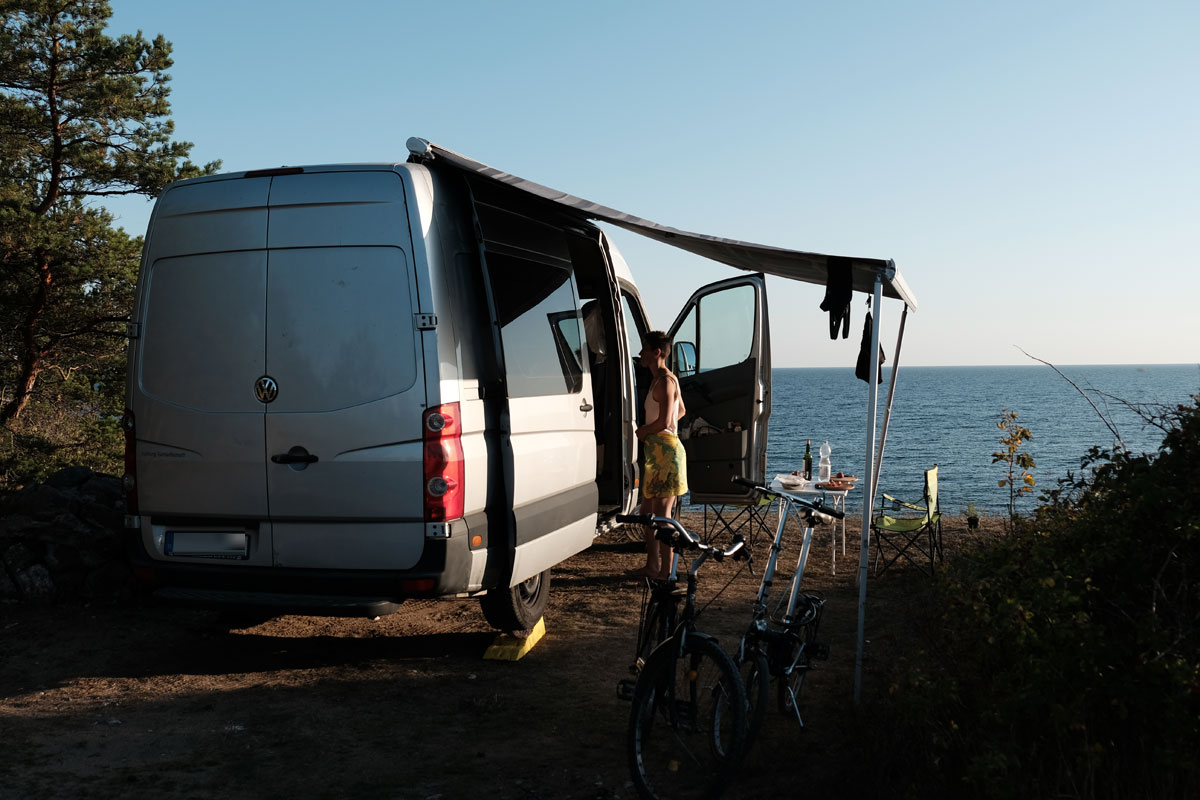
(863, 368)
(839, 290)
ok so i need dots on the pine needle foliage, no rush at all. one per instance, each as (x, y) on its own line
(83, 116)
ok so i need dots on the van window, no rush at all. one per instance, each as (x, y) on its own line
(539, 326)
(726, 327)
(634, 326)
(720, 327)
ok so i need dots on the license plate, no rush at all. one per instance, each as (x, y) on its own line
(208, 544)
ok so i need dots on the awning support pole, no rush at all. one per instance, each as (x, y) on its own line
(887, 411)
(864, 552)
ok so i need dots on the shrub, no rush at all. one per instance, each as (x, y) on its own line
(1068, 654)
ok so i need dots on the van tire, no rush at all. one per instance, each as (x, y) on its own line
(517, 609)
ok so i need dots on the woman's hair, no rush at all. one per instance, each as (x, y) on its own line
(658, 340)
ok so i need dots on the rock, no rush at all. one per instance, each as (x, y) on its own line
(103, 490)
(62, 539)
(41, 499)
(18, 557)
(35, 583)
(8, 590)
(69, 478)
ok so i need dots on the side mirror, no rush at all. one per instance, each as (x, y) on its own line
(685, 359)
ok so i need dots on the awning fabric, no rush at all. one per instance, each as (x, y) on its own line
(792, 264)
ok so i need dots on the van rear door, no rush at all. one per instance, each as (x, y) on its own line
(722, 355)
(199, 352)
(343, 435)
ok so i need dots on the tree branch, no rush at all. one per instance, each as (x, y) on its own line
(1108, 424)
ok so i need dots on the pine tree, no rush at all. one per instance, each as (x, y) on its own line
(83, 116)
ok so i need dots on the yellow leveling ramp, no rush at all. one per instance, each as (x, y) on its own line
(509, 648)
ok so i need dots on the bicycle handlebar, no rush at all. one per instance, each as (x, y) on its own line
(817, 505)
(681, 537)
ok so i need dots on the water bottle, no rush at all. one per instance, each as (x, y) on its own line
(823, 467)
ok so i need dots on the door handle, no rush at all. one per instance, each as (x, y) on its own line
(585, 406)
(297, 455)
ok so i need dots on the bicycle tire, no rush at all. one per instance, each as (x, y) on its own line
(756, 677)
(687, 723)
(657, 627)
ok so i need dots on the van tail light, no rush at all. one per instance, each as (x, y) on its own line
(129, 480)
(443, 463)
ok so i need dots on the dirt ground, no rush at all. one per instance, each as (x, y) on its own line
(149, 700)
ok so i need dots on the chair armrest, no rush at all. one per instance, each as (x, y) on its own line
(898, 502)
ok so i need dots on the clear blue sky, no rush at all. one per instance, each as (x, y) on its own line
(1033, 168)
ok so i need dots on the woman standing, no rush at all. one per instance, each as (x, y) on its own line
(665, 475)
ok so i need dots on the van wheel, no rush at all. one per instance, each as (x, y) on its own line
(517, 609)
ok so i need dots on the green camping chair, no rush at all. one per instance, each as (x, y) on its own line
(918, 539)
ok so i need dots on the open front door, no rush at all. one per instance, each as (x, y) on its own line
(722, 355)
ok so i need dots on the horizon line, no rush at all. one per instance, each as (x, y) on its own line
(959, 366)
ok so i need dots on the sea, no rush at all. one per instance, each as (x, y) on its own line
(948, 415)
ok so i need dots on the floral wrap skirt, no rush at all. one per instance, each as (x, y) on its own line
(666, 466)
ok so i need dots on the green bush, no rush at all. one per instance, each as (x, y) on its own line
(1064, 660)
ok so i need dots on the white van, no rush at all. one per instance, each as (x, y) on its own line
(354, 384)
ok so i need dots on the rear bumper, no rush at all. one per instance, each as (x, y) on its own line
(443, 569)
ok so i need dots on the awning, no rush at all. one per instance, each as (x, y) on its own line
(877, 277)
(793, 264)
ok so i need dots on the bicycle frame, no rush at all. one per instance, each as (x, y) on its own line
(789, 501)
(786, 646)
(663, 595)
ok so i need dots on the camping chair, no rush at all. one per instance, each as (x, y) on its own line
(748, 520)
(918, 539)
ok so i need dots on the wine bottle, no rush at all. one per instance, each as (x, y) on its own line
(808, 460)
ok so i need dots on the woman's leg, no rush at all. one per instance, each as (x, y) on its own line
(664, 550)
(657, 507)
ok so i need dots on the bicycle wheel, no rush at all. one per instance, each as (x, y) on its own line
(687, 726)
(756, 677)
(658, 623)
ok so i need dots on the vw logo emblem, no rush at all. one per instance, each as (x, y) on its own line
(265, 389)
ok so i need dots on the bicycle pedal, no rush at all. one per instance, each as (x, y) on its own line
(819, 651)
(625, 689)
